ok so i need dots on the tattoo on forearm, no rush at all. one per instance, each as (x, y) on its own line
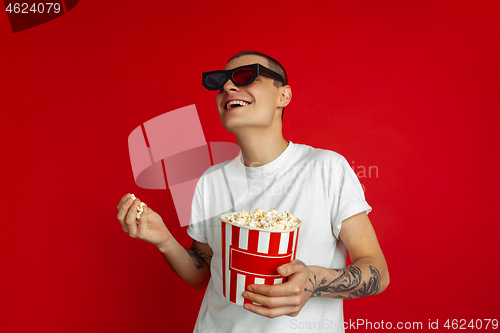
(206, 257)
(198, 261)
(370, 288)
(349, 280)
(199, 258)
(313, 289)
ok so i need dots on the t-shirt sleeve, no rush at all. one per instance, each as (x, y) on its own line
(347, 194)
(196, 229)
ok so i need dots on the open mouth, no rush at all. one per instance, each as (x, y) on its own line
(235, 104)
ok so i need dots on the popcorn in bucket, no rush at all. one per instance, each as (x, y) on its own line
(254, 245)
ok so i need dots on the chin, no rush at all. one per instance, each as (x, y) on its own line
(233, 122)
(234, 126)
(231, 125)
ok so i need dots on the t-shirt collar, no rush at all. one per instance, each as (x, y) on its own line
(270, 167)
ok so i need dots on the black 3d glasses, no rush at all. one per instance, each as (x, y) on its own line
(241, 76)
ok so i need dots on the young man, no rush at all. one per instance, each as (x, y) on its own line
(318, 186)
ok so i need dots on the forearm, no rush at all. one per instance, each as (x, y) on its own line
(187, 263)
(365, 277)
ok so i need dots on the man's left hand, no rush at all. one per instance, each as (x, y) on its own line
(282, 299)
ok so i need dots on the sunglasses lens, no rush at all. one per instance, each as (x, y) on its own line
(243, 75)
(216, 80)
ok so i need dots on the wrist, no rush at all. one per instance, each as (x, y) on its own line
(316, 271)
(166, 245)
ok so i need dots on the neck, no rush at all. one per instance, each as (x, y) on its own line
(259, 146)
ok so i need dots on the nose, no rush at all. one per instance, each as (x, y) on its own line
(229, 86)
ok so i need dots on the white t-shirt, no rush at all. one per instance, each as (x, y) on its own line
(318, 187)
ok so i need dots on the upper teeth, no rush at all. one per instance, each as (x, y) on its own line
(230, 104)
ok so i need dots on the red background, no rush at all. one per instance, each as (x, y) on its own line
(411, 87)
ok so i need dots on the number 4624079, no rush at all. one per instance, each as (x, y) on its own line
(24, 8)
(462, 324)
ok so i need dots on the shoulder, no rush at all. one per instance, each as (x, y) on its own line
(319, 155)
(217, 167)
(217, 173)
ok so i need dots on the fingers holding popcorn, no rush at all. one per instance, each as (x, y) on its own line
(123, 207)
(140, 221)
(140, 210)
(131, 218)
(123, 200)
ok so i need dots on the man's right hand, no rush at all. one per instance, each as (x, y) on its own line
(149, 227)
(192, 265)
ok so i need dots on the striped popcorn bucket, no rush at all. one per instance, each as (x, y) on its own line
(252, 255)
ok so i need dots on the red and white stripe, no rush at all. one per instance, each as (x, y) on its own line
(252, 257)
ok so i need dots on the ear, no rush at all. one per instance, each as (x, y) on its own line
(285, 96)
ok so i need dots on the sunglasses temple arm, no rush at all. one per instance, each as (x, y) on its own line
(272, 74)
